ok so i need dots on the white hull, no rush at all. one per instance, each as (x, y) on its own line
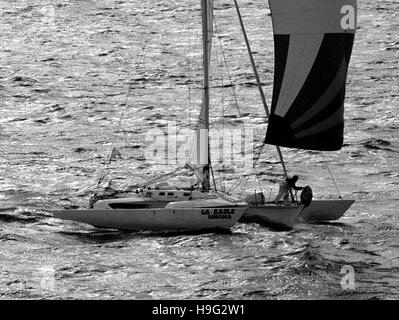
(325, 210)
(157, 219)
(279, 217)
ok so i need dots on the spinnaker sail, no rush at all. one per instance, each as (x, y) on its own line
(313, 45)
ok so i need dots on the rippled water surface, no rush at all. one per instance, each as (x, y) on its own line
(78, 78)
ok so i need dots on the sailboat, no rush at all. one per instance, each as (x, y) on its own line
(313, 45)
(172, 209)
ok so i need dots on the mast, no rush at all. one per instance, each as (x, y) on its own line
(205, 60)
(259, 85)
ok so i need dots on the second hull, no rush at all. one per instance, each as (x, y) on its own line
(325, 210)
(274, 216)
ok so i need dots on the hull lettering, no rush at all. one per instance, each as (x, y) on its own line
(218, 213)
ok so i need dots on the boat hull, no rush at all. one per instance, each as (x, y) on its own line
(278, 217)
(325, 210)
(176, 219)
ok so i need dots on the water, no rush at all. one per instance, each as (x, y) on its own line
(68, 71)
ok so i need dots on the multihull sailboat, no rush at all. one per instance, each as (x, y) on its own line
(160, 209)
(313, 44)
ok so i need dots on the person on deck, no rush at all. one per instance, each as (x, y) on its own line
(285, 189)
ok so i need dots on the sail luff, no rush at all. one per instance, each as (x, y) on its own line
(199, 160)
(206, 58)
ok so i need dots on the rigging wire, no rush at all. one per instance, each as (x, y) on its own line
(243, 187)
(189, 66)
(237, 183)
(164, 176)
(259, 85)
(228, 72)
(256, 158)
(230, 81)
(332, 178)
(112, 152)
(222, 80)
(258, 153)
(190, 62)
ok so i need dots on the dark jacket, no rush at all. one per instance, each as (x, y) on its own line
(291, 184)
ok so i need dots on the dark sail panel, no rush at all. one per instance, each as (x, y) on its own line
(313, 45)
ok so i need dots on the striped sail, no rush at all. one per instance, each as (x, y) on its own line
(313, 44)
